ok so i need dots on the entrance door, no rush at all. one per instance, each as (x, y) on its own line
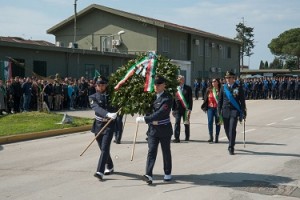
(185, 69)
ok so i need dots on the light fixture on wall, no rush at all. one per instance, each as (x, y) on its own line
(121, 32)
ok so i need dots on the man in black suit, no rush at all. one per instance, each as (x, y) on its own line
(182, 108)
(232, 107)
(159, 131)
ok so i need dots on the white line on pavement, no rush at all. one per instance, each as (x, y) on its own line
(271, 124)
(225, 138)
(250, 130)
(288, 118)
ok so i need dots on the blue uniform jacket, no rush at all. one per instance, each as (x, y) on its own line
(225, 107)
(161, 111)
(100, 103)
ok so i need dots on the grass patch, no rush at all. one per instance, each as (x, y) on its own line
(35, 122)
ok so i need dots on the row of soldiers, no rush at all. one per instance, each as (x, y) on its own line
(287, 88)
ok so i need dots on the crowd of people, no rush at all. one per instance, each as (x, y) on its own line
(28, 94)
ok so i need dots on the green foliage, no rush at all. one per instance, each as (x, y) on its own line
(266, 65)
(245, 35)
(276, 64)
(290, 64)
(287, 46)
(261, 65)
(35, 122)
(131, 96)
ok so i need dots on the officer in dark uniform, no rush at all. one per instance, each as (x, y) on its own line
(160, 131)
(100, 103)
(232, 107)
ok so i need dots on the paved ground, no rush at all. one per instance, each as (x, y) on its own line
(268, 168)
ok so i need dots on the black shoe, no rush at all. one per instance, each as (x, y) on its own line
(99, 175)
(187, 139)
(217, 140)
(231, 151)
(117, 141)
(210, 140)
(148, 179)
(176, 140)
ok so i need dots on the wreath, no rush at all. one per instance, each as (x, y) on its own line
(127, 85)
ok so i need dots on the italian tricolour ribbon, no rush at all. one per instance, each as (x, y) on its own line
(183, 102)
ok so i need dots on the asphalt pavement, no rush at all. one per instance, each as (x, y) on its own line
(267, 167)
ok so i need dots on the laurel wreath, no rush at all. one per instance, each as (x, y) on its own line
(131, 96)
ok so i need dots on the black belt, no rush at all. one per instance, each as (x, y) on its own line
(161, 122)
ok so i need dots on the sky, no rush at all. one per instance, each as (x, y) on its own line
(269, 18)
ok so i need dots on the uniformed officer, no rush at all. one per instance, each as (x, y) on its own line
(100, 103)
(119, 129)
(160, 131)
(232, 107)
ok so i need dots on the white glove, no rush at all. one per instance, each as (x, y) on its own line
(140, 120)
(112, 115)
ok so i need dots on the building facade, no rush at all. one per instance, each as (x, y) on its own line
(198, 53)
(103, 39)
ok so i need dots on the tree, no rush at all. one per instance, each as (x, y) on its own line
(245, 36)
(261, 65)
(266, 65)
(290, 64)
(276, 64)
(287, 45)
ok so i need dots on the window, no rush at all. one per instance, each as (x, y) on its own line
(182, 47)
(105, 43)
(90, 71)
(40, 68)
(208, 49)
(18, 68)
(104, 70)
(229, 52)
(200, 49)
(165, 44)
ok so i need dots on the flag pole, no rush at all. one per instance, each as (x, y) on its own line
(99, 133)
(134, 141)
(244, 133)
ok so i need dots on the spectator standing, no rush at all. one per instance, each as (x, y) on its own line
(27, 92)
(17, 93)
(2, 98)
(196, 89)
(203, 88)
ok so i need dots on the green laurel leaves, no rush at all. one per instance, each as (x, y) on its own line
(131, 96)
